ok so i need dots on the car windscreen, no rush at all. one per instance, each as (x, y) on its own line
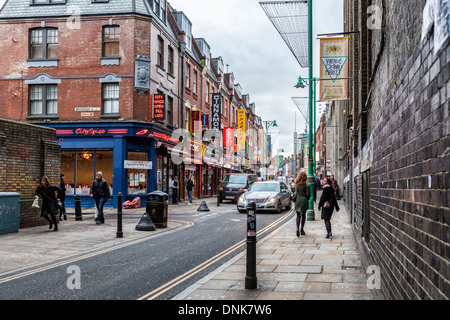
(264, 187)
(235, 179)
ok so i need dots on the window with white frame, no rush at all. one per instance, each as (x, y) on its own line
(43, 100)
(110, 99)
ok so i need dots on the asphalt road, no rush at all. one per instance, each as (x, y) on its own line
(155, 269)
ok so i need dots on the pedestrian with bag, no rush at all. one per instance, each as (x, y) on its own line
(301, 199)
(62, 196)
(327, 203)
(189, 187)
(175, 190)
(100, 192)
(50, 201)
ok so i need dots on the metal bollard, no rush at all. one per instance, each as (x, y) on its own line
(78, 214)
(250, 277)
(119, 233)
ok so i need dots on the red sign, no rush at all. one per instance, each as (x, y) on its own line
(195, 125)
(228, 137)
(159, 106)
(90, 131)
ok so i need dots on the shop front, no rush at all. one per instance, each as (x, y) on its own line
(133, 158)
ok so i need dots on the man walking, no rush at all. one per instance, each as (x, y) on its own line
(100, 192)
(175, 190)
(189, 186)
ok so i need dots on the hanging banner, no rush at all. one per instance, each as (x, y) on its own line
(241, 129)
(215, 111)
(195, 123)
(159, 106)
(333, 67)
(228, 137)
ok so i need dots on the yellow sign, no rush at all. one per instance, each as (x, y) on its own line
(241, 129)
(333, 68)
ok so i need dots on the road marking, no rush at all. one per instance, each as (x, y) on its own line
(185, 276)
(93, 254)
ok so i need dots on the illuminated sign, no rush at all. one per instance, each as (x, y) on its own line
(89, 131)
(159, 106)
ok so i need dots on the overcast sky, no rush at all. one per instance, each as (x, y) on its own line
(241, 33)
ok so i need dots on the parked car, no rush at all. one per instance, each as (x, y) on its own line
(268, 196)
(235, 184)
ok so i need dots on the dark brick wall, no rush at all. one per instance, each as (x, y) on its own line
(408, 157)
(27, 152)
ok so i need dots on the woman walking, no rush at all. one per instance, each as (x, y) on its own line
(327, 203)
(302, 194)
(49, 201)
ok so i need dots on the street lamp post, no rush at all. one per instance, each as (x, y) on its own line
(268, 124)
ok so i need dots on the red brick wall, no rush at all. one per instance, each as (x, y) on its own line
(79, 53)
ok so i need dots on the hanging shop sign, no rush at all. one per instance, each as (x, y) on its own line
(228, 137)
(159, 106)
(215, 111)
(241, 129)
(333, 69)
(195, 124)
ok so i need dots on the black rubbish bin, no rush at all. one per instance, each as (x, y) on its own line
(157, 208)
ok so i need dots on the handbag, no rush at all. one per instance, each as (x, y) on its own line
(35, 203)
(294, 197)
(327, 203)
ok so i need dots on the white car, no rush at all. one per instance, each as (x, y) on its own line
(268, 196)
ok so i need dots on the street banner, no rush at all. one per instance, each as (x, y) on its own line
(333, 67)
(215, 112)
(195, 123)
(241, 129)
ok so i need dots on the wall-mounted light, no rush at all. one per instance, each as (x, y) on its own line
(15, 95)
(14, 40)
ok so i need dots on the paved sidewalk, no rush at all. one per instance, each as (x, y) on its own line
(289, 268)
(309, 267)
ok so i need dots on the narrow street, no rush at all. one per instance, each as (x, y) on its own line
(152, 267)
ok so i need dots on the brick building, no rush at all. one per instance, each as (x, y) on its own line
(393, 160)
(115, 79)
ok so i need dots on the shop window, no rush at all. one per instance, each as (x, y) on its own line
(137, 178)
(68, 168)
(80, 168)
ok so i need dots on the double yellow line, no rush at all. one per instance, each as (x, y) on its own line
(96, 253)
(169, 285)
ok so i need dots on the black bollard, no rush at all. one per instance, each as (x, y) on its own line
(218, 200)
(119, 233)
(78, 214)
(250, 277)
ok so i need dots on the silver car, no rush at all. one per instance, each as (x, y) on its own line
(268, 195)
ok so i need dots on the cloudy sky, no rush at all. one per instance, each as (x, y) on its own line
(241, 33)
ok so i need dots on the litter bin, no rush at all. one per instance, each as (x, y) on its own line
(157, 207)
(9, 212)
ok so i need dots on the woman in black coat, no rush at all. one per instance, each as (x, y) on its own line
(49, 201)
(328, 196)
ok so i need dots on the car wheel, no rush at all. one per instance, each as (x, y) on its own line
(279, 206)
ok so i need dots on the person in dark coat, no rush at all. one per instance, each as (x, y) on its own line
(303, 193)
(189, 187)
(328, 196)
(62, 196)
(49, 201)
(100, 192)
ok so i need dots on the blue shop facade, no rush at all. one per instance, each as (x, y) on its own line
(134, 157)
